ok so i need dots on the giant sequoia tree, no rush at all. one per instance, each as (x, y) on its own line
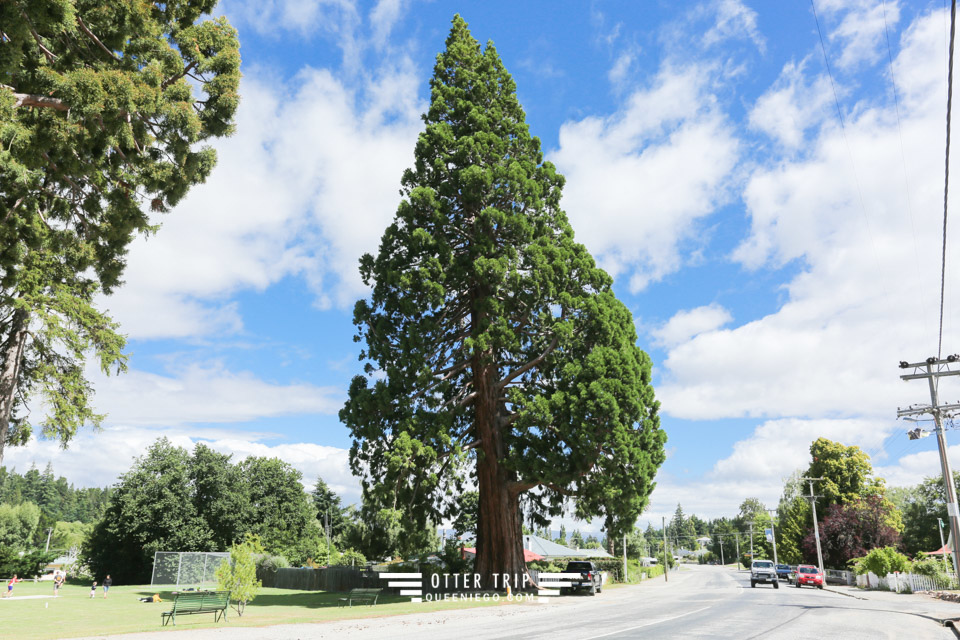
(104, 109)
(498, 353)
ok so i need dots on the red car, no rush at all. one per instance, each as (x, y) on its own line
(809, 574)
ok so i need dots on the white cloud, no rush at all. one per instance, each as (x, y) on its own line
(792, 105)
(306, 186)
(639, 180)
(866, 293)
(205, 393)
(860, 34)
(269, 17)
(686, 324)
(383, 18)
(97, 459)
(735, 20)
(758, 465)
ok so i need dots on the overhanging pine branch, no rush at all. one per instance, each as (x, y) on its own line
(530, 365)
(36, 100)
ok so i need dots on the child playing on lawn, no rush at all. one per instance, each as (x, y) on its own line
(14, 580)
(93, 590)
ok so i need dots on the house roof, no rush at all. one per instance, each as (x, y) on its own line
(550, 549)
(528, 556)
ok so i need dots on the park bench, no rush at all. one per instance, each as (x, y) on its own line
(360, 596)
(190, 602)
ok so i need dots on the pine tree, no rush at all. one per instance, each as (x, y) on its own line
(105, 109)
(505, 354)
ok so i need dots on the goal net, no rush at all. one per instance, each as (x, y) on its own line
(186, 568)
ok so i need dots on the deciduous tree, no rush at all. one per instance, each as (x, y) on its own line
(501, 350)
(238, 575)
(851, 530)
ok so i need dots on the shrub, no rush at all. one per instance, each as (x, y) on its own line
(239, 574)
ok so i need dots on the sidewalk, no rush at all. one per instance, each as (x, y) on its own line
(924, 603)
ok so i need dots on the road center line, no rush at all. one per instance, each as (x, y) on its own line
(647, 624)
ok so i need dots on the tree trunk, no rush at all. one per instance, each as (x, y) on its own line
(11, 352)
(499, 539)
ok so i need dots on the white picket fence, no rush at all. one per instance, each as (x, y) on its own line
(901, 582)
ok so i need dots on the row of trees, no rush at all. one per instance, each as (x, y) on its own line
(56, 498)
(175, 500)
(856, 514)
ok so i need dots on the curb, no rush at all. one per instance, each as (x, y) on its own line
(843, 593)
(953, 626)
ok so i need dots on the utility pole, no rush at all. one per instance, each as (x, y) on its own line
(721, 551)
(738, 551)
(816, 528)
(942, 544)
(773, 534)
(665, 563)
(625, 557)
(50, 533)
(932, 369)
(751, 543)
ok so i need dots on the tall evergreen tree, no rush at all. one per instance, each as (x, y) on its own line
(504, 351)
(104, 111)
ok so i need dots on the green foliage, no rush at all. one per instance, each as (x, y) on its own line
(881, 561)
(171, 500)
(920, 507)
(383, 533)
(56, 498)
(18, 525)
(351, 558)
(795, 522)
(453, 557)
(329, 509)
(269, 562)
(466, 509)
(846, 471)
(930, 566)
(105, 109)
(239, 574)
(504, 351)
(30, 564)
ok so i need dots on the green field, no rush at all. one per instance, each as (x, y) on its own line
(74, 614)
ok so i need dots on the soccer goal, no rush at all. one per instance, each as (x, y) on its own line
(186, 568)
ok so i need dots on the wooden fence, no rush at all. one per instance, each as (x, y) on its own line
(330, 579)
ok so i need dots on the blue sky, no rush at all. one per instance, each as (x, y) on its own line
(778, 265)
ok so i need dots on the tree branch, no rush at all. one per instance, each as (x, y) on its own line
(87, 31)
(51, 58)
(169, 81)
(36, 100)
(530, 365)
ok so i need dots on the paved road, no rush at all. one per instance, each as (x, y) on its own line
(704, 602)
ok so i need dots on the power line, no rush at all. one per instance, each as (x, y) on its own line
(903, 155)
(946, 171)
(846, 141)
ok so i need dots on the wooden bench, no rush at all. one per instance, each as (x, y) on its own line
(191, 602)
(360, 596)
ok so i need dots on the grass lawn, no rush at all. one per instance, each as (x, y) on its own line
(74, 614)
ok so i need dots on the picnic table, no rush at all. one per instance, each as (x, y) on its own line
(360, 596)
(191, 602)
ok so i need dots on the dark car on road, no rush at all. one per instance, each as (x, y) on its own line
(784, 572)
(587, 578)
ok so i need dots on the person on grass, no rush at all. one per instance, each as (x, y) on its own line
(14, 580)
(57, 583)
(106, 585)
(93, 589)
